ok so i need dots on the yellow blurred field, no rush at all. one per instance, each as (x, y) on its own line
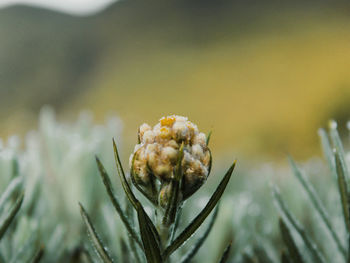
(265, 92)
(263, 81)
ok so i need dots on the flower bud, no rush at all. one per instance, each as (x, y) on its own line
(156, 156)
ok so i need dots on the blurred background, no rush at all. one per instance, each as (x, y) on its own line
(262, 75)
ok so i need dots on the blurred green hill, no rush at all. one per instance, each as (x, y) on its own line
(263, 75)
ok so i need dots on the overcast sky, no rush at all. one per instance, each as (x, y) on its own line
(80, 7)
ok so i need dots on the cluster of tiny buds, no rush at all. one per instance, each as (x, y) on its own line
(156, 155)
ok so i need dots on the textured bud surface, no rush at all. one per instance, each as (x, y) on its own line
(156, 155)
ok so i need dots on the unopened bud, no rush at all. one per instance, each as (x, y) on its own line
(157, 154)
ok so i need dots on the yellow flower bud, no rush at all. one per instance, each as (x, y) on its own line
(158, 155)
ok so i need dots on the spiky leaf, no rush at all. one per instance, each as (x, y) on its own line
(10, 215)
(197, 222)
(150, 244)
(94, 238)
(38, 255)
(285, 213)
(149, 235)
(343, 190)
(123, 180)
(110, 191)
(289, 242)
(208, 137)
(328, 152)
(10, 190)
(226, 254)
(339, 148)
(194, 249)
(316, 202)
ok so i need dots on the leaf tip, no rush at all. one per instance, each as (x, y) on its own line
(114, 144)
(208, 137)
(82, 210)
(233, 166)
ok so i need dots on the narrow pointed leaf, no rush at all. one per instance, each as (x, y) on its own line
(197, 222)
(150, 225)
(194, 249)
(121, 174)
(110, 191)
(208, 137)
(226, 254)
(343, 190)
(176, 224)
(328, 152)
(211, 157)
(316, 202)
(210, 162)
(339, 149)
(284, 211)
(130, 213)
(12, 188)
(94, 238)
(4, 225)
(132, 198)
(289, 242)
(150, 244)
(170, 212)
(38, 255)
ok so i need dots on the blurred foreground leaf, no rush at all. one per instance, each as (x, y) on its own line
(94, 238)
(108, 184)
(289, 242)
(194, 249)
(10, 190)
(285, 213)
(226, 254)
(343, 190)
(316, 202)
(10, 215)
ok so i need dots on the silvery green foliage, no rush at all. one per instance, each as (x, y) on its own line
(57, 165)
(249, 218)
(325, 236)
(63, 157)
(19, 241)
